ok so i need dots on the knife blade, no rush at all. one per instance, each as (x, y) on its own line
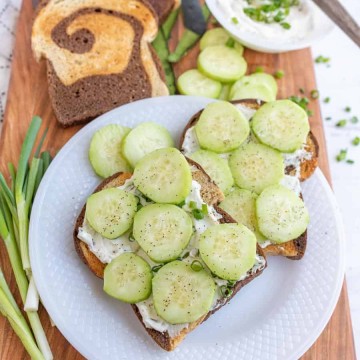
(193, 17)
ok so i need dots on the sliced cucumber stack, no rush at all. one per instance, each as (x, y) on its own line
(163, 231)
(219, 36)
(221, 127)
(259, 92)
(128, 278)
(193, 82)
(281, 214)
(110, 212)
(164, 176)
(222, 63)
(229, 250)
(282, 125)
(182, 295)
(143, 139)
(240, 205)
(216, 167)
(256, 166)
(263, 79)
(105, 151)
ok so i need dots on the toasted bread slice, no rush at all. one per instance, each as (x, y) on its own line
(212, 195)
(164, 7)
(294, 249)
(80, 41)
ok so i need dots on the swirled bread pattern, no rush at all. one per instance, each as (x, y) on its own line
(97, 44)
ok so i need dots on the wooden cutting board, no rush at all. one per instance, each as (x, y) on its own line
(28, 96)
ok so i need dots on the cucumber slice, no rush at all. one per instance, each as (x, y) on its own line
(163, 231)
(221, 127)
(256, 79)
(282, 125)
(128, 278)
(281, 214)
(222, 63)
(219, 36)
(111, 212)
(229, 250)
(105, 151)
(182, 295)
(193, 82)
(216, 167)
(256, 166)
(260, 92)
(240, 205)
(225, 92)
(164, 176)
(144, 139)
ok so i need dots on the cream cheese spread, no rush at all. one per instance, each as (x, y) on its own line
(294, 159)
(301, 19)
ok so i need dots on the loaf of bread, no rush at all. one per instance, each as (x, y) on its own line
(98, 55)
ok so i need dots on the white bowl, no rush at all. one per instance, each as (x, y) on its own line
(322, 26)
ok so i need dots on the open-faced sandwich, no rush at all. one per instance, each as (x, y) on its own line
(161, 243)
(258, 154)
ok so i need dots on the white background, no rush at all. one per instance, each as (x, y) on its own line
(340, 81)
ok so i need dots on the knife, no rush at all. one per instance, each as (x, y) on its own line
(193, 16)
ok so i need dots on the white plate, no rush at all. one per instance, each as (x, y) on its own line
(322, 27)
(278, 315)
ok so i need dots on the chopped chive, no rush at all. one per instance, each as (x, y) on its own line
(322, 60)
(185, 255)
(259, 69)
(181, 204)
(314, 94)
(156, 268)
(198, 214)
(302, 91)
(302, 102)
(230, 43)
(231, 283)
(327, 100)
(131, 237)
(347, 109)
(286, 25)
(341, 123)
(234, 20)
(225, 291)
(354, 120)
(279, 74)
(192, 205)
(196, 265)
(328, 118)
(342, 155)
(349, 161)
(205, 209)
(356, 141)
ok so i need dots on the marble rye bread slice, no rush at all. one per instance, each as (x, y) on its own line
(212, 195)
(93, 65)
(294, 249)
(164, 7)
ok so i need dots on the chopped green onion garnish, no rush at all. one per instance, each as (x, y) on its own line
(192, 204)
(350, 161)
(185, 255)
(196, 265)
(322, 60)
(302, 91)
(205, 209)
(259, 69)
(354, 120)
(348, 109)
(231, 283)
(342, 155)
(235, 20)
(279, 74)
(356, 141)
(156, 268)
(314, 94)
(181, 204)
(230, 43)
(341, 123)
(198, 214)
(225, 291)
(302, 102)
(131, 237)
(327, 100)
(286, 25)
(328, 118)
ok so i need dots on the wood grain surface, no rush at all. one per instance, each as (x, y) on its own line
(28, 96)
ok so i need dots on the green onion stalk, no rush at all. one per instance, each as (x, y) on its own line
(15, 208)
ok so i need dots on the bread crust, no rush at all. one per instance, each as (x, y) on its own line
(162, 339)
(294, 249)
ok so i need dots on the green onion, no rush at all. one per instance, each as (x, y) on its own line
(225, 291)
(196, 265)
(302, 91)
(322, 60)
(192, 204)
(327, 100)
(259, 69)
(302, 102)
(341, 123)
(354, 120)
(205, 209)
(350, 161)
(328, 118)
(231, 283)
(347, 109)
(342, 155)
(286, 25)
(230, 43)
(234, 20)
(156, 268)
(131, 237)
(314, 94)
(279, 74)
(198, 214)
(356, 141)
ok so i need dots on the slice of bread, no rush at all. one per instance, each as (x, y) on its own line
(212, 195)
(164, 7)
(90, 68)
(294, 249)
